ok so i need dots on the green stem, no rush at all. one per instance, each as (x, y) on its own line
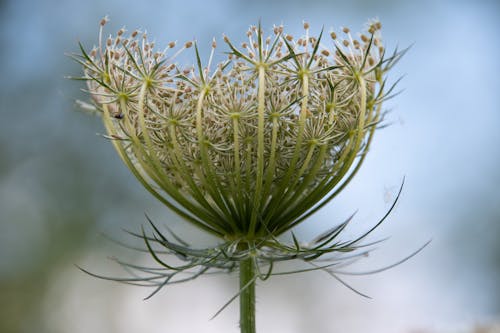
(247, 296)
(260, 152)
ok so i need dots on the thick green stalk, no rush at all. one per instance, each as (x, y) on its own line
(260, 151)
(247, 296)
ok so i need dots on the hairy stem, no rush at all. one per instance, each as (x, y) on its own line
(247, 296)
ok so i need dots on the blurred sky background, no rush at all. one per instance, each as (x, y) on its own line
(62, 186)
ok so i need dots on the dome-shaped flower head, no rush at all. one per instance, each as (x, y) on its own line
(249, 147)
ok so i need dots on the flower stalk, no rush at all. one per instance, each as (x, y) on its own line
(247, 296)
(260, 148)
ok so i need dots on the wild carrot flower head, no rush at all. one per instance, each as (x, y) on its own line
(248, 147)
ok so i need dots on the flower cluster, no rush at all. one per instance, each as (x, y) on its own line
(251, 146)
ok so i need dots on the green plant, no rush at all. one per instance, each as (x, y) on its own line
(245, 149)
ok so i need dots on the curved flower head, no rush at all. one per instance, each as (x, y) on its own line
(250, 146)
(246, 148)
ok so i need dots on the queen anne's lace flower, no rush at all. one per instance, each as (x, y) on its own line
(247, 148)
